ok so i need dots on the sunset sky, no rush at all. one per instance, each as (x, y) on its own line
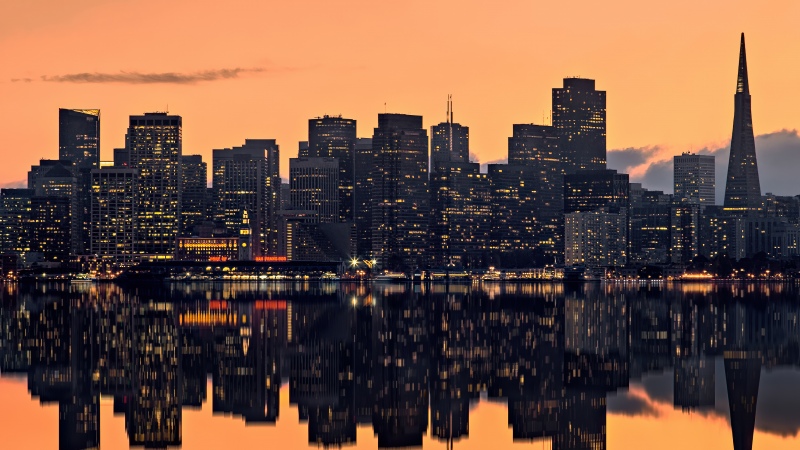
(243, 69)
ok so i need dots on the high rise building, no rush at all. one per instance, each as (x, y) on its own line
(154, 146)
(362, 196)
(589, 190)
(15, 213)
(742, 186)
(113, 214)
(400, 202)
(579, 117)
(512, 194)
(51, 227)
(460, 215)
(194, 179)
(53, 179)
(595, 238)
(79, 136)
(449, 141)
(314, 186)
(694, 179)
(335, 137)
(247, 178)
(79, 143)
(536, 147)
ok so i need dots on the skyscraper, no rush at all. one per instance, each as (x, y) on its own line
(335, 137)
(536, 147)
(113, 214)
(79, 143)
(694, 179)
(400, 202)
(314, 186)
(362, 195)
(247, 178)
(449, 140)
(460, 215)
(742, 187)
(194, 178)
(590, 190)
(579, 116)
(15, 214)
(154, 146)
(79, 136)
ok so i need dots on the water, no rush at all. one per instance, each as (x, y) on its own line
(537, 366)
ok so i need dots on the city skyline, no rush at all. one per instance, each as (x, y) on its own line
(645, 107)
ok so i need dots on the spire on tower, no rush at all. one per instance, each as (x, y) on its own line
(742, 84)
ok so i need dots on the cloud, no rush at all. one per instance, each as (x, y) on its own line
(630, 405)
(19, 184)
(485, 165)
(778, 155)
(626, 159)
(124, 77)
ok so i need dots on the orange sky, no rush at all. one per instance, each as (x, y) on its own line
(669, 67)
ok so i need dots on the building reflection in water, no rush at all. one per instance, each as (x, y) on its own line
(406, 360)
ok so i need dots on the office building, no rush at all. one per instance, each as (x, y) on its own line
(512, 199)
(595, 238)
(537, 147)
(79, 143)
(335, 137)
(589, 190)
(194, 179)
(79, 136)
(460, 215)
(51, 227)
(694, 179)
(247, 178)
(314, 186)
(155, 148)
(362, 196)
(15, 214)
(742, 186)
(579, 117)
(400, 198)
(113, 214)
(449, 141)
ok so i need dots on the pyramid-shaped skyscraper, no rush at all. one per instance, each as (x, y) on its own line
(742, 188)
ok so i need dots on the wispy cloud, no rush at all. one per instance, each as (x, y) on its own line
(124, 77)
(14, 184)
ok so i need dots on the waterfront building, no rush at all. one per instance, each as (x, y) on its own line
(247, 178)
(596, 238)
(15, 214)
(113, 214)
(537, 147)
(400, 198)
(362, 195)
(460, 215)
(155, 147)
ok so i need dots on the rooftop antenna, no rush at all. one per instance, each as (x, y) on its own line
(384, 107)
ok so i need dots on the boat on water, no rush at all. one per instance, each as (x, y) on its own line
(392, 277)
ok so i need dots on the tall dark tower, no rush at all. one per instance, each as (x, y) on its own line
(79, 136)
(579, 117)
(742, 375)
(742, 188)
(449, 141)
(335, 137)
(399, 191)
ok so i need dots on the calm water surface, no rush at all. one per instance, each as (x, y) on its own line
(375, 366)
